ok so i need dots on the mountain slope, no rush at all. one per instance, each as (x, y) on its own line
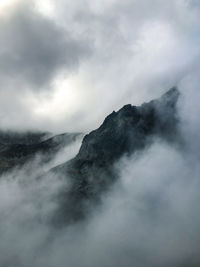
(122, 133)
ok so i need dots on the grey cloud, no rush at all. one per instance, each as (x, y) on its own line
(132, 52)
(33, 49)
(144, 46)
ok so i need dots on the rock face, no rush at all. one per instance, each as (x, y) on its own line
(124, 132)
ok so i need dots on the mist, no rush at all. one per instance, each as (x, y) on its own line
(149, 217)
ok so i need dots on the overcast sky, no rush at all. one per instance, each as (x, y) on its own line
(65, 65)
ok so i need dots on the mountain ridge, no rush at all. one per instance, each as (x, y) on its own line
(123, 132)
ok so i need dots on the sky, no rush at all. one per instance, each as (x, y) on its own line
(65, 65)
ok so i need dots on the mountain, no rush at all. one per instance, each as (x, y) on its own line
(124, 132)
(92, 171)
(16, 149)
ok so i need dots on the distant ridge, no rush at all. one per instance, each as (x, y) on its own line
(16, 149)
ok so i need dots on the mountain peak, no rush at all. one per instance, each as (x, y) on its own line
(123, 132)
(117, 134)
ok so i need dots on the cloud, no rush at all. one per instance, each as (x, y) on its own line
(81, 61)
(34, 49)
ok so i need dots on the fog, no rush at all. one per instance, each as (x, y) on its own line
(149, 217)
